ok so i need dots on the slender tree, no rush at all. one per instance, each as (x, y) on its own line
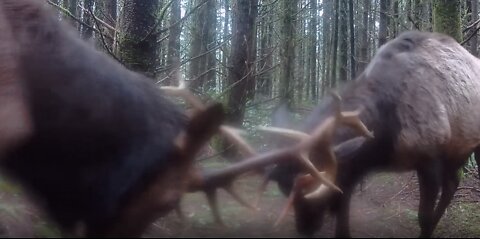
(364, 37)
(382, 29)
(343, 42)
(87, 32)
(173, 58)
(202, 48)
(264, 80)
(109, 14)
(474, 40)
(242, 58)
(334, 50)
(312, 57)
(352, 40)
(287, 52)
(446, 18)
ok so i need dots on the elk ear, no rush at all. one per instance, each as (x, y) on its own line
(201, 127)
(349, 147)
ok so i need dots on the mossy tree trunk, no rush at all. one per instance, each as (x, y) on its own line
(138, 40)
(287, 50)
(446, 18)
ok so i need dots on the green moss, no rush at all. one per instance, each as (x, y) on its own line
(460, 220)
(446, 18)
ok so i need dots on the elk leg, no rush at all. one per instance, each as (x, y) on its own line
(342, 229)
(429, 188)
(449, 187)
(212, 201)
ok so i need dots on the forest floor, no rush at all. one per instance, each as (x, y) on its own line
(385, 206)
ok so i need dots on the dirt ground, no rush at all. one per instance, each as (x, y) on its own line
(385, 206)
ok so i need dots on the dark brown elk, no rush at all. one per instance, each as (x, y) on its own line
(100, 147)
(94, 143)
(420, 96)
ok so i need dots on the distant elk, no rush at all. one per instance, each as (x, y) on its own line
(420, 95)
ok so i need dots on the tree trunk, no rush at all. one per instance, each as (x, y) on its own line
(409, 15)
(446, 18)
(343, 44)
(264, 81)
(395, 20)
(313, 51)
(287, 51)
(241, 59)
(138, 43)
(418, 13)
(474, 40)
(382, 29)
(211, 40)
(326, 49)
(364, 37)
(173, 58)
(300, 58)
(110, 16)
(352, 41)
(373, 29)
(87, 33)
(71, 6)
(202, 66)
(106, 11)
(226, 37)
(333, 78)
(196, 47)
(241, 80)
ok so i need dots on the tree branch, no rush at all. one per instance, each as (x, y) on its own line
(103, 39)
(74, 17)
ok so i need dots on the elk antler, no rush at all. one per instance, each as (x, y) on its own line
(210, 182)
(319, 142)
(231, 133)
(299, 184)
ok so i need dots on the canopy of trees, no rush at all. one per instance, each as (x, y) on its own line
(252, 54)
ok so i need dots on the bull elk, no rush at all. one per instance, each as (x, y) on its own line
(420, 96)
(100, 147)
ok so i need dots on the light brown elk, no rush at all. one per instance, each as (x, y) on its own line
(420, 96)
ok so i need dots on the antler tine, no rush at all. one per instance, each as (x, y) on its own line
(300, 183)
(184, 93)
(260, 191)
(319, 175)
(325, 130)
(238, 198)
(351, 118)
(286, 208)
(286, 132)
(234, 135)
(230, 132)
(317, 193)
(324, 134)
(320, 140)
(210, 183)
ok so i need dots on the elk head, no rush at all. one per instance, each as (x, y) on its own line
(309, 190)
